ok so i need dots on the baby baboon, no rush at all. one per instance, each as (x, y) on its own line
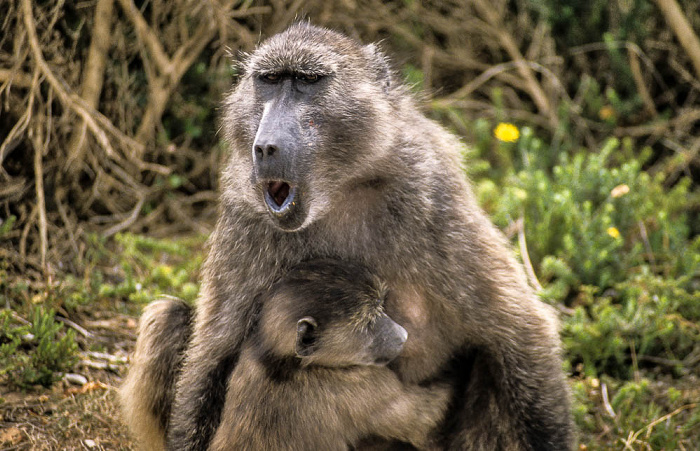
(331, 157)
(313, 377)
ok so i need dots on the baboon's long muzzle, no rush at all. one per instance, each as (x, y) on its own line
(276, 162)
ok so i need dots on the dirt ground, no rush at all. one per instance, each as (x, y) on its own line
(76, 415)
(84, 414)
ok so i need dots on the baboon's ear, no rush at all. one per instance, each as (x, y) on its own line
(306, 336)
(379, 64)
(238, 60)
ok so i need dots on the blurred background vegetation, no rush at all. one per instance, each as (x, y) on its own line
(109, 159)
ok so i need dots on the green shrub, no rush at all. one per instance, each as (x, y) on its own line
(35, 353)
(605, 238)
(149, 267)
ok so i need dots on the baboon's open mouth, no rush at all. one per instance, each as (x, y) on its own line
(279, 191)
(279, 196)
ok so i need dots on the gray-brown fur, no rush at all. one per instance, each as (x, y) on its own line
(328, 398)
(148, 390)
(333, 393)
(380, 184)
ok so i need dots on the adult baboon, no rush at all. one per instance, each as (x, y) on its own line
(312, 375)
(330, 157)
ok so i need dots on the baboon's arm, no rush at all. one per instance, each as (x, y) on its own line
(201, 392)
(513, 395)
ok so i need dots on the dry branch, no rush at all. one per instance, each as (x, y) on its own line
(509, 45)
(67, 97)
(147, 36)
(169, 70)
(636, 69)
(14, 78)
(23, 121)
(683, 31)
(41, 201)
(93, 76)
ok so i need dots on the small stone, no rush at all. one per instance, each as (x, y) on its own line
(75, 379)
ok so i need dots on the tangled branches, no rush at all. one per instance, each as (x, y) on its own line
(84, 148)
(107, 113)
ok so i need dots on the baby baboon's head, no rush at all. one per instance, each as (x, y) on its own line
(330, 313)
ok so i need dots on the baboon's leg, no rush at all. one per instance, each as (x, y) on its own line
(148, 390)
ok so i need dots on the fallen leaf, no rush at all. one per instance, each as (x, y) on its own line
(11, 436)
(88, 387)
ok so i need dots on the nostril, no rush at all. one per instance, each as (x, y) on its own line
(264, 151)
(258, 152)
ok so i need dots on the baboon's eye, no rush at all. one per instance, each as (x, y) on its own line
(308, 78)
(271, 77)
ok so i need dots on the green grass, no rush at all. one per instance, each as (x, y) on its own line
(622, 264)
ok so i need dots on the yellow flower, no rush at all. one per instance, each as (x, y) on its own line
(507, 132)
(607, 112)
(620, 190)
(613, 232)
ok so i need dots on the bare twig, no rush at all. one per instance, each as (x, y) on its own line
(494, 71)
(147, 36)
(68, 225)
(639, 81)
(81, 330)
(169, 70)
(683, 31)
(18, 318)
(16, 78)
(25, 233)
(520, 225)
(115, 359)
(100, 365)
(126, 222)
(647, 244)
(509, 45)
(660, 127)
(23, 121)
(633, 437)
(93, 76)
(94, 120)
(661, 360)
(606, 401)
(41, 202)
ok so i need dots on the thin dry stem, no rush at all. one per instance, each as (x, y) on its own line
(94, 74)
(632, 438)
(530, 271)
(41, 202)
(68, 98)
(636, 69)
(509, 45)
(683, 30)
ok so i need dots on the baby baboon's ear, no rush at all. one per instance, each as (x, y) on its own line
(306, 336)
